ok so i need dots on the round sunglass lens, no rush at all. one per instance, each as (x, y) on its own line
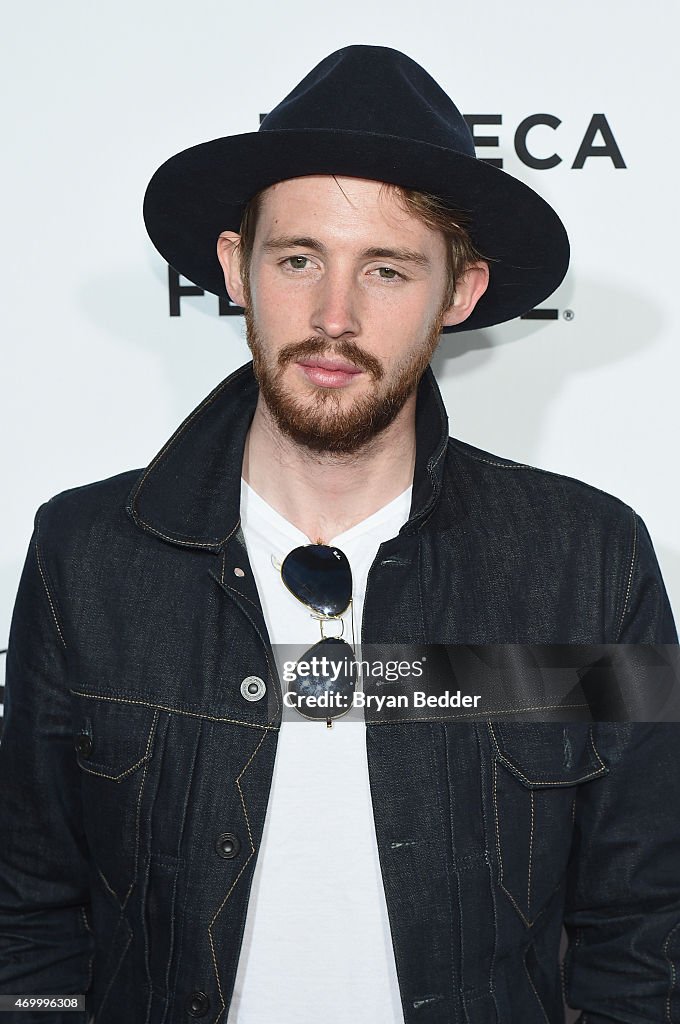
(324, 680)
(320, 576)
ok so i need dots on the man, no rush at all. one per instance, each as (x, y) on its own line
(178, 847)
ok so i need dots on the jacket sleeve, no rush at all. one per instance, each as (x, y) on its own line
(622, 913)
(645, 615)
(45, 938)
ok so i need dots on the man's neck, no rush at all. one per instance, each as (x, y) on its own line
(321, 493)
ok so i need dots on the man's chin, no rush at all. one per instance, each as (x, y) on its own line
(330, 420)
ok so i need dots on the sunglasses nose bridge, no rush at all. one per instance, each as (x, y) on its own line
(331, 618)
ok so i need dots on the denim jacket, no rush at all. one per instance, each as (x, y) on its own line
(135, 774)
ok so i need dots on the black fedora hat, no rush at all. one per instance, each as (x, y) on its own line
(366, 112)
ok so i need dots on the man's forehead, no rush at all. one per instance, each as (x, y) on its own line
(348, 202)
(312, 186)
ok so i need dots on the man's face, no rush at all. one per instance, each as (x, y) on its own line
(343, 308)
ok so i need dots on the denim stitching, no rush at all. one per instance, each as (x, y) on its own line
(459, 446)
(419, 581)
(538, 998)
(115, 972)
(240, 791)
(101, 874)
(83, 914)
(563, 984)
(500, 853)
(127, 895)
(531, 849)
(273, 672)
(171, 441)
(212, 544)
(147, 960)
(137, 817)
(436, 777)
(192, 854)
(128, 771)
(47, 589)
(501, 465)
(244, 597)
(224, 549)
(175, 711)
(207, 401)
(542, 783)
(237, 782)
(273, 722)
(471, 714)
(108, 887)
(594, 748)
(492, 890)
(433, 463)
(630, 578)
(567, 968)
(170, 995)
(529, 922)
(672, 970)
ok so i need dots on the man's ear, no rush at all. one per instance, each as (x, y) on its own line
(229, 256)
(469, 290)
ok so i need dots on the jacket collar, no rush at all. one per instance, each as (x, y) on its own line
(190, 493)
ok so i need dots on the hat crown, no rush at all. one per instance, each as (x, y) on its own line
(365, 112)
(373, 89)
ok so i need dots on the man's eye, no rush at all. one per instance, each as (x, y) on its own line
(297, 262)
(388, 273)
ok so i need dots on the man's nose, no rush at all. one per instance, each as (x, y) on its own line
(335, 312)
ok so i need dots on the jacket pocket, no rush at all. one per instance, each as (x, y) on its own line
(113, 743)
(537, 768)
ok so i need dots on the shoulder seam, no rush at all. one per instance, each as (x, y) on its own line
(43, 577)
(509, 464)
(491, 462)
(629, 581)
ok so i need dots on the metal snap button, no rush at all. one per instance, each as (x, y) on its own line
(253, 688)
(228, 845)
(84, 744)
(197, 1004)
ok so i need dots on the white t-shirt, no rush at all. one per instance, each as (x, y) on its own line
(317, 945)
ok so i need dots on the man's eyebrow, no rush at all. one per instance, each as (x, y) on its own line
(282, 242)
(403, 255)
(294, 242)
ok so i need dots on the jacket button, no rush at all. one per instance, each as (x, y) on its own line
(253, 688)
(228, 845)
(197, 1004)
(84, 744)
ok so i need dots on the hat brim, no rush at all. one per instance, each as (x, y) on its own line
(202, 191)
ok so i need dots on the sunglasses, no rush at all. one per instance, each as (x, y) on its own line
(320, 577)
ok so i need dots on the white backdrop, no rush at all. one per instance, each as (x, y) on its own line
(97, 374)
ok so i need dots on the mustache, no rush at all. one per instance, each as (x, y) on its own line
(316, 346)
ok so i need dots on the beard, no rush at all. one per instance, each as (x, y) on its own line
(320, 423)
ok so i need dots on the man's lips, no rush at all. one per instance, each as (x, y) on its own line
(330, 373)
(330, 364)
